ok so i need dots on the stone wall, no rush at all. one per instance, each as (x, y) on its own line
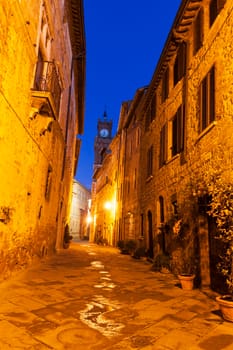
(34, 191)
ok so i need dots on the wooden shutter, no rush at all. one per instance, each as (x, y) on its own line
(198, 31)
(212, 94)
(220, 4)
(163, 146)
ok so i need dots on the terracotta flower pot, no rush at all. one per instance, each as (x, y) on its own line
(186, 281)
(225, 303)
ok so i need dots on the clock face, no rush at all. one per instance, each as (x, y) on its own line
(104, 132)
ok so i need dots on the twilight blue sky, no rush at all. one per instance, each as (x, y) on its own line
(124, 40)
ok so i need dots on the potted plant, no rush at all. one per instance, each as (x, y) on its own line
(221, 208)
(183, 255)
(161, 263)
(122, 247)
(139, 253)
(187, 274)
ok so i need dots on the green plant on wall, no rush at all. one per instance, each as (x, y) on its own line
(221, 208)
(214, 180)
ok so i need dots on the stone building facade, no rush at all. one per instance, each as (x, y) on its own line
(185, 122)
(42, 79)
(80, 206)
(187, 127)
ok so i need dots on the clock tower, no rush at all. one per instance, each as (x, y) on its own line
(102, 140)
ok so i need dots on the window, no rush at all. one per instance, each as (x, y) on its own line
(142, 232)
(150, 161)
(180, 63)
(161, 209)
(48, 182)
(165, 85)
(153, 108)
(137, 137)
(151, 112)
(198, 32)
(135, 178)
(207, 100)
(215, 7)
(178, 131)
(163, 146)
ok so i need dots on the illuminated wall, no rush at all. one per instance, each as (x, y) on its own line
(79, 211)
(35, 172)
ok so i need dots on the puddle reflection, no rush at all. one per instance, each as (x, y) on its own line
(94, 316)
(97, 264)
(105, 285)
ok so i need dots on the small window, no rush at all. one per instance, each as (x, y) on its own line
(178, 131)
(207, 100)
(215, 7)
(137, 137)
(165, 85)
(135, 178)
(153, 107)
(198, 32)
(48, 182)
(161, 209)
(163, 146)
(151, 112)
(142, 232)
(180, 63)
(150, 161)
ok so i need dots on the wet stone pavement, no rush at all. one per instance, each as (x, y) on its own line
(91, 297)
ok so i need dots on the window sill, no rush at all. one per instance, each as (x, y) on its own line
(172, 158)
(205, 131)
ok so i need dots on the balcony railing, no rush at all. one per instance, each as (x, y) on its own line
(47, 80)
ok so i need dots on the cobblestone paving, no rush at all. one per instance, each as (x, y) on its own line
(91, 297)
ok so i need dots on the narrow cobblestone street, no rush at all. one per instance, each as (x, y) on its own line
(91, 297)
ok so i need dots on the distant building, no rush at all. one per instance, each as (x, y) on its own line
(42, 80)
(174, 144)
(101, 153)
(80, 209)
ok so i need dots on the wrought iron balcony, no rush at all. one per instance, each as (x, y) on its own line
(47, 86)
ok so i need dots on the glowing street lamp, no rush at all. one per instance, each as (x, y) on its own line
(108, 205)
